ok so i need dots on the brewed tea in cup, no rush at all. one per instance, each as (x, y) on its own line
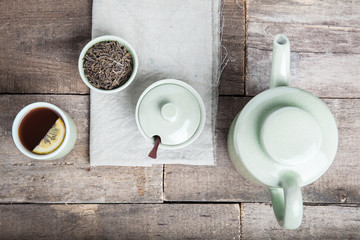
(43, 131)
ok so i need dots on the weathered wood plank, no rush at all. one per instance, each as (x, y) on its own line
(120, 221)
(69, 179)
(40, 44)
(321, 74)
(233, 34)
(305, 38)
(222, 183)
(329, 26)
(307, 12)
(319, 222)
(325, 53)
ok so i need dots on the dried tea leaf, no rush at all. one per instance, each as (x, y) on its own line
(108, 65)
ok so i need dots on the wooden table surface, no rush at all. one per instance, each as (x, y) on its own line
(66, 199)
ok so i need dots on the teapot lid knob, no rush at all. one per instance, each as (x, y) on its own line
(290, 136)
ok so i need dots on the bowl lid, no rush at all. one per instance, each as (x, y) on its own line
(172, 110)
(285, 129)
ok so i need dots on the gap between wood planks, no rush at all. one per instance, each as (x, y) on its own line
(245, 43)
(163, 182)
(50, 94)
(324, 98)
(296, 51)
(242, 215)
(220, 95)
(350, 205)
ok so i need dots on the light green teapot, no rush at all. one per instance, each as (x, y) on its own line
(284, 138)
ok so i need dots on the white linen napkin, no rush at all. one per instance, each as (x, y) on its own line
(174, 39)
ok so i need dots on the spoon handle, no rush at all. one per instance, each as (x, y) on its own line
(153, 153)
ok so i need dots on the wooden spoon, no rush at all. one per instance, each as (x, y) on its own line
(153, 153)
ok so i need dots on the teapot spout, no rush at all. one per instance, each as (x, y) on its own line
(280, 66)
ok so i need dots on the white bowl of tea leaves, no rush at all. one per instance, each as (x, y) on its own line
(108, 64)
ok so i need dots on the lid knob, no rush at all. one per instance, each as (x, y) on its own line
(169, 112)
(290, 136)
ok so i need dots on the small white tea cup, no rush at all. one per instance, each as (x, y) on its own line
(70, 134)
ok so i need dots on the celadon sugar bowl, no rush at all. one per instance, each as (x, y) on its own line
(284, 138)
(172, 112)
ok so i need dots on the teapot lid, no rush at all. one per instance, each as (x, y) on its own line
(172, 110)
(284, 129)
(290, 136)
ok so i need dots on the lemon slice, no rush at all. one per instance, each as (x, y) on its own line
(53, 139)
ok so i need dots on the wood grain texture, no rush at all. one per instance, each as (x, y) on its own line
(40, 43)
(328, 13)
(124, 221)
(324, 49)
(69, 179)
(233, 42)
(222, 183)
(319, 222)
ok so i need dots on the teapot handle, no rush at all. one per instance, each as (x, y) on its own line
(280, 64)
(287, 202)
